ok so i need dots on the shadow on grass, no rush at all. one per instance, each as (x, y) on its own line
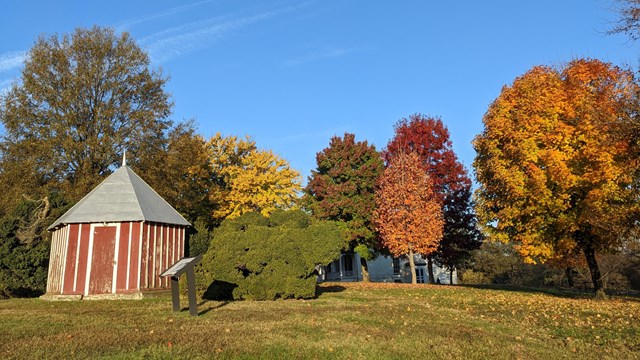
(557, 292)
(204, 311)
(328, 289)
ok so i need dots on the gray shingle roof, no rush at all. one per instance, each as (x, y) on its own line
(123, 196)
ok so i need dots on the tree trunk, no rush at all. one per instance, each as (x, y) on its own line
(596, 276)
(451, 276)
(412, 264)
(430, 269)
(569, 273)
(365, 270)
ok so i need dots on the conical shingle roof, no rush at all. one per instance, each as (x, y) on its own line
(123, 196)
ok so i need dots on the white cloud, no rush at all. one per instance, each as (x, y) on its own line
(131, 22)
(11, 60)
(173, 42)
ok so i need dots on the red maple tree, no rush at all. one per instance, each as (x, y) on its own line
(428, 137)
(408, 215)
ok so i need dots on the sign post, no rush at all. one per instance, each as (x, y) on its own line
(177, 269)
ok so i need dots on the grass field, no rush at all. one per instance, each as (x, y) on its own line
(358, 321)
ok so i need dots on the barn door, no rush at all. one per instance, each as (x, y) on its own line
(102, 260)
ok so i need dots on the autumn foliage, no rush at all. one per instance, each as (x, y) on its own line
(554, 166)
(342, 187)
(428, 137)
(408, 214)
(248, 179)
(80, 101)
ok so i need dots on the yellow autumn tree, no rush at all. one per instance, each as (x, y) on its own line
(408, 214)
(248, 179)
(225, 152)
(554, 168)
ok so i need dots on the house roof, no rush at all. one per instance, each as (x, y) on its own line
(123, 196)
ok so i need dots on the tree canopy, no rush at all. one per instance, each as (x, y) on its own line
(461, 233)
(247, 179)
(342, 188)
(555, 166)
(81, 100)
(408, 215)
(629, 18)
(429, 138)
(185, 177)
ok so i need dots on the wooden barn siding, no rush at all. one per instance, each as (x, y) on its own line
(160, 248)
(157, 280)
(134, 257)
(174, 248)
(83, 258)
(57, 260)
(147, 256)
(144, 254)
(152, 255)
(180, 246)
(168, 240)
(50, 280)
(142, 251)
(122, 263)
(155, 255)
(168, 252)
(69, 284)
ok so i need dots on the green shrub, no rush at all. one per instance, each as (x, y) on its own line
(259, 258)
(25, 244)
(470, 276)
(200, 238)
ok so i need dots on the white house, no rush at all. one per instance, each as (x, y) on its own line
(382, 269)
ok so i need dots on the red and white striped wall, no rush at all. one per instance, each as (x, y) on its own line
(112, 258)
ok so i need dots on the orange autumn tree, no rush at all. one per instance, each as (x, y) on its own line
(408, 214)
(555, 166)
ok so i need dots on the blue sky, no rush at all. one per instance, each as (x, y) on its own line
(291, 74)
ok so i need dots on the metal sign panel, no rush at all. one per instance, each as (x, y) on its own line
(184, 265)
(181, 266)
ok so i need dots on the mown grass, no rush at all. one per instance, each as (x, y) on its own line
(359, 321)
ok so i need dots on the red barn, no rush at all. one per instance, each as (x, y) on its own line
(116, 241)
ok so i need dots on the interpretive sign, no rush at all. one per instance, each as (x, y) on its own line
(177, 269)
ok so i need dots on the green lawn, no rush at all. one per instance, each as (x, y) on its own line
(358, 321)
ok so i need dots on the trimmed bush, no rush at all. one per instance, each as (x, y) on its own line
(260, 258)
(199, 238)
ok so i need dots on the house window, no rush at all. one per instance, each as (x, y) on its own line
(420, 278)
(396, 266)
(347, 263)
